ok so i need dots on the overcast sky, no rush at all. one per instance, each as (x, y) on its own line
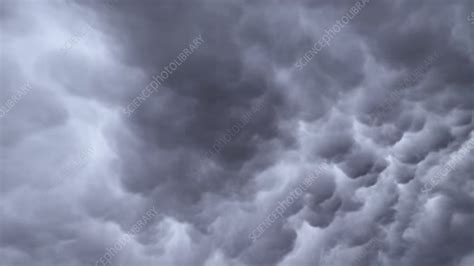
(237, 132)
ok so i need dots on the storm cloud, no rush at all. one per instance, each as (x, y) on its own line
(215, 114)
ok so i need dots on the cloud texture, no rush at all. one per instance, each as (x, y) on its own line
(233, 130)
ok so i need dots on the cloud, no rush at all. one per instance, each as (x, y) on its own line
(208, 205)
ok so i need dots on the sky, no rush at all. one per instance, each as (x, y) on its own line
(237, 132)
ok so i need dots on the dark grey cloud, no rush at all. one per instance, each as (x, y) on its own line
(386, 104)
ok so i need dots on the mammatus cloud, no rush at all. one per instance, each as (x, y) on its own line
(186, 132)
(283, 205)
